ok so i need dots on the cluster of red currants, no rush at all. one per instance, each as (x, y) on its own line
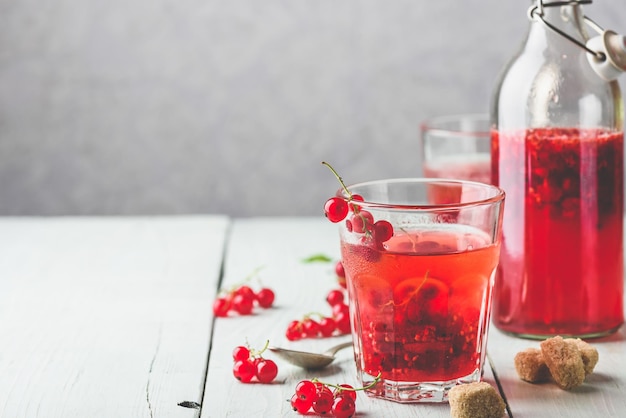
(250, 364)
(326, 326)
(360, 221)
(311, 394)
(242, 300)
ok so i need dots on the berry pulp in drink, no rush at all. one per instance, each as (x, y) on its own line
(420, 304)
(561, 266)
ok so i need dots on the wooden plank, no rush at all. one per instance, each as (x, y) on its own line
(106, 317)
(602, 394)
(280, 245)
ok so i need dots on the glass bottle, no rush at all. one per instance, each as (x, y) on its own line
(557, 151)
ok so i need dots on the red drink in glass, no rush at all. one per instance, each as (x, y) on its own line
(473, 167)
(561, 266)
(421, 305)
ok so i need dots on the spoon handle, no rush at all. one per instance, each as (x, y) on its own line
(333, 350)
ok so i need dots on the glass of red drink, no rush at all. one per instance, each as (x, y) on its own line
(457, 147)
(419, 276)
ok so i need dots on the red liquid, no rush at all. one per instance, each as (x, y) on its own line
(561, 266)
(474, 167)
(421, 307)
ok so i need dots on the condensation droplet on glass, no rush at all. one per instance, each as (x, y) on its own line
(555, 98)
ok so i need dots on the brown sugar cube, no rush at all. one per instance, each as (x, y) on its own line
(531, 367)
(475, 400)
(588, 353)
(564, 361)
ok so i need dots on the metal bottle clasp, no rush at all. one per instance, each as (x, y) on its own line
(536, 12)
(606, 52)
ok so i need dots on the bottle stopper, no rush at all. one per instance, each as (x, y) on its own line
(610, 59)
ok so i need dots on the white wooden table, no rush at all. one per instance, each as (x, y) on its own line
(111, 317)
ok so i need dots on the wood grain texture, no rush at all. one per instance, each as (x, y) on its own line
(280, 245)
(106, 317)
(111, 317)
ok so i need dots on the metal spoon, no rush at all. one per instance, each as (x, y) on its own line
(308, 360)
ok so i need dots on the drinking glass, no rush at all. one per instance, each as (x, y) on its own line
(419, 276)
(457, 146)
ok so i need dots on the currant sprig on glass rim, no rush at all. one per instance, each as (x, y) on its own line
(360, 221)
(340, 401)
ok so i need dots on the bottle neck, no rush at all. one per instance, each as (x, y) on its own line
(549, 82)
(567, 18)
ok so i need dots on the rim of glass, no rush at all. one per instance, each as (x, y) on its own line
(498, 194)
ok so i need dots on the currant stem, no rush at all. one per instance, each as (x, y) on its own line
(247, 279)
(258, 353)
(343, 185)
(310, 314)
(368, 233)
(253, 273)
(371, 385)
(411, 238)
(413, 293)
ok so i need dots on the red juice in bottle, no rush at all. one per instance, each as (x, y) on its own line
(561, 263)
(421, 305)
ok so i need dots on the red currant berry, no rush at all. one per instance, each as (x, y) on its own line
(349, 225)
(383, 231)
(243, 304)
(306, 389)
(336, 209)
(356, 198)
(323, 404)
(340, 308)
(343, 407)
(343, 322)
(362, 221)
(322, 388)
(246, 291)
(294, 331)
(334, 297)
(311, 328)
(266, 370)
(221, 306)
(241, 353)
(244, 370)
(300, 405)
(339, 270)
(347, 391)
(265, 298)
(341, 281)
(327, 327)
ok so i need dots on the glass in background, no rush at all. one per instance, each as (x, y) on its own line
(457, 147)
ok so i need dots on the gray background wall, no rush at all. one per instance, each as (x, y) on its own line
(229, 106)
